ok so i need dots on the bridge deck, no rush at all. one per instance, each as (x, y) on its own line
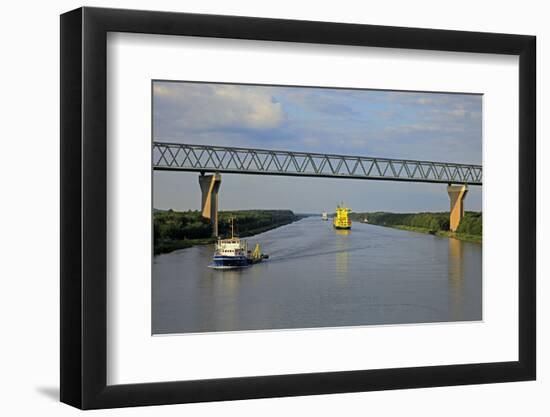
(201, 158)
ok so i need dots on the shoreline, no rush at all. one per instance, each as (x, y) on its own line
(189, 243)
(441, 233)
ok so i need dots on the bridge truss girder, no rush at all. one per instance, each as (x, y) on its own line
(223, 159)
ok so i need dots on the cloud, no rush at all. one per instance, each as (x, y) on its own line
(424, 127)
(188, 106)
(329, 102)
(434, 126)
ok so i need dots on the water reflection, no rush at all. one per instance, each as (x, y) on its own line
(224, 299)
(342, 254)
(456, 278)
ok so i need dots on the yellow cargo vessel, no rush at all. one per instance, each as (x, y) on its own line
(341, 220)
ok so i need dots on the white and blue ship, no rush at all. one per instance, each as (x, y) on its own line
(233, 253)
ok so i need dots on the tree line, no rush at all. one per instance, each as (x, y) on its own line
(471, 223)
(181, 229)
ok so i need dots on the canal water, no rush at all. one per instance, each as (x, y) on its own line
(321, 277)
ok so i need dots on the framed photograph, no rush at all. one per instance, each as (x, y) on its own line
(257, 208)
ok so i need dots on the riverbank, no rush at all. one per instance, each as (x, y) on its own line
(442, 233)
(180, 230)
(470, 229)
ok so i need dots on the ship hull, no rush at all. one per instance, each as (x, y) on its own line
(342, 227)
(229, 262)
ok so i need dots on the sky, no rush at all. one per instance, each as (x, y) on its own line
(408, 125)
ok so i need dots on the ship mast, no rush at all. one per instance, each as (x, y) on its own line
(231, 219)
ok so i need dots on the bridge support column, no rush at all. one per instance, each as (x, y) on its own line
(457, 193)
(210, 184)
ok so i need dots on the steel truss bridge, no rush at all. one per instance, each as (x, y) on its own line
(224, 159)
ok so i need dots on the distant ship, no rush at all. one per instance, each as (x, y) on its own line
(324, 216)
(342, 220)
(233, 253)
(365, 220)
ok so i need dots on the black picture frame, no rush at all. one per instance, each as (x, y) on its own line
(84, 207)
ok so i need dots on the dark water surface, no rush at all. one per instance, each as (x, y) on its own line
(320, 277)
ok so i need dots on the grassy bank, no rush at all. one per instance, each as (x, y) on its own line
(443, 233)
(179, 230)
(470, 228)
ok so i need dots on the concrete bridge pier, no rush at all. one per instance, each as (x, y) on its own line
(210, 184)
(457, 193)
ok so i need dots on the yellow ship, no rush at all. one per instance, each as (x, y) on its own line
(341, 220)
